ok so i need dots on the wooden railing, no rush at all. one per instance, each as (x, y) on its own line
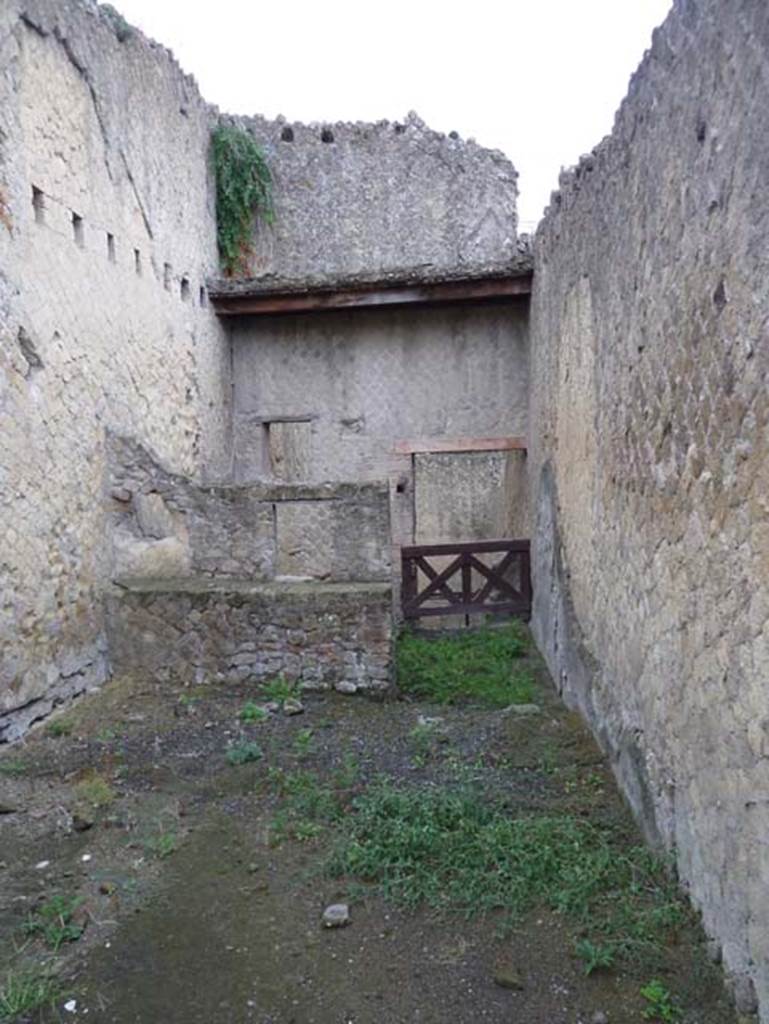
(486, 583)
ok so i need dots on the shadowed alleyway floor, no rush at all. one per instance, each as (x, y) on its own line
(167, 855)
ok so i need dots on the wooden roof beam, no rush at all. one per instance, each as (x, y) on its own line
(494, 289)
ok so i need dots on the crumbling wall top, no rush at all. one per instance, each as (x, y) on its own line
(389, 201)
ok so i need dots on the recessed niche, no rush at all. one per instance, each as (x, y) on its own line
(78, 230)
(111, 247)
(138, 262)
(326, 135)
(184, 289)
(38, 205)
(203, 298)
(167, 276)
(287, 134)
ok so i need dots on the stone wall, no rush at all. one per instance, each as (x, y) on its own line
(352, 384)
(165, 526)
(649, 459)
(319, 635)
(382, 200)
(107, 235)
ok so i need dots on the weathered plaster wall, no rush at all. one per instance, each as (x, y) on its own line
(105, 125)
(649, 459)
(461, 496)
(362, 381)
(380, 200)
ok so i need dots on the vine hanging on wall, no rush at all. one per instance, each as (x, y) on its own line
(243, 191)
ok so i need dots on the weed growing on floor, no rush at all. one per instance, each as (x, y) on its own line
(303, 744)
(471, 667)
(60, 727)
(660, 1003)
(54, 921)
(251, 712)
(348, 773)
(12, 767)
(188, 701)
(108, 734)
(305, 796)
(307, 805)
(422, 737)
(595, 955)
(163, 844)
(95, 790)
(451, 850)
(242, 753)
(279, 689)
(22, 992)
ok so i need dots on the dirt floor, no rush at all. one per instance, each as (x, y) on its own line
(188, 888)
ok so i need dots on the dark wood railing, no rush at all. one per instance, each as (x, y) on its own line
(496, 585)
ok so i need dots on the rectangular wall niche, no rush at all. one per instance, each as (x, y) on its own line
(287, 449)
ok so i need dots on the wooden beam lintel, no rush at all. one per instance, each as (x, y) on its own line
(436, 445)
(480, 290)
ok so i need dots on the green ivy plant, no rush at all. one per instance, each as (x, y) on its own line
(243, 191)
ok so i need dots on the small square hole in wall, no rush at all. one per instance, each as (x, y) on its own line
(167, 276)
(202, 297)
(38, 205)
(184, 289)
(110, 247)
(78, 230)
(138, 262)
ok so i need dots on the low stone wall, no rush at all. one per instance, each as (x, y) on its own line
(166, 525)
(321, 635)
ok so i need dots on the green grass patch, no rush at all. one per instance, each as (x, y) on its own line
(476, 666)
(95, 790)
(242, 753)
(304, 744)
(59, 727)
(304, 795)
(307, 804)
(22, 992)
(454, 851)
(163, 844)
(12, 767)
(54, 921)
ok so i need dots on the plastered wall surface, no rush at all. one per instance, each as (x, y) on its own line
(649, 460)
(362, 381)
(462, 496)
(92, 335)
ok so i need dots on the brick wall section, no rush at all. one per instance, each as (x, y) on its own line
(649, 459)
(92, 336)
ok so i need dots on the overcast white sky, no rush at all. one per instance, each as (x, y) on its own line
(538, 79)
